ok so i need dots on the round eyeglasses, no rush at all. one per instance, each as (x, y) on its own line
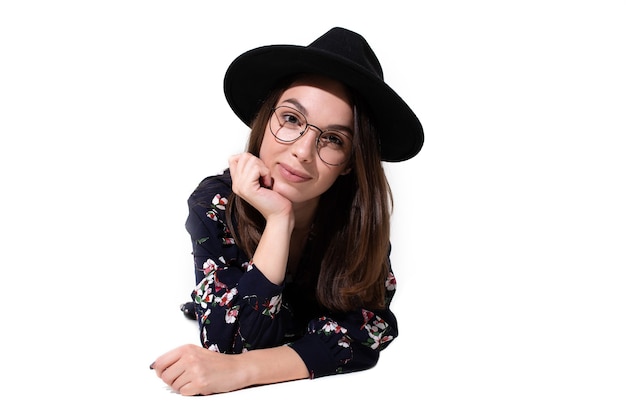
(288, 125)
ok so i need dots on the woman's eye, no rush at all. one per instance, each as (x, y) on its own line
(332, 139)
(290, 118)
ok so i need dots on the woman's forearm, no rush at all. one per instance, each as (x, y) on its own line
(272, 365)
(272, 252)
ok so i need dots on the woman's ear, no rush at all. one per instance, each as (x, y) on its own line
(346, 171)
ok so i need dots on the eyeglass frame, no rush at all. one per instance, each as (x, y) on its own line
(317, 138)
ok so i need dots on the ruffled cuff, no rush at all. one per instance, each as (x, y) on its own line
(327, 353)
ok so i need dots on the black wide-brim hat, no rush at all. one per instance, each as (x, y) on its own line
(340, 54)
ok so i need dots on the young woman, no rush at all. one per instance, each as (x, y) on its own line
(291, 243)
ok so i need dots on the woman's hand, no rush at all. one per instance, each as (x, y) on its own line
(194, 370)
(252, 181)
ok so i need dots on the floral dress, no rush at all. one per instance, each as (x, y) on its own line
(239, 309)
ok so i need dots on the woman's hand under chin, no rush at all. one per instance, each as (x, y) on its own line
(252, 181)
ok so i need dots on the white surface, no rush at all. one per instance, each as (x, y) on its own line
(509, 230)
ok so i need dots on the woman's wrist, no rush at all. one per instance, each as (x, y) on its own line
(245, 370)
(282, 221)
(271, 365)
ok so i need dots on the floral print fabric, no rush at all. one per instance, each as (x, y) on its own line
(239, 309)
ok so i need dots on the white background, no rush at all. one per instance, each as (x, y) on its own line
(509, 230)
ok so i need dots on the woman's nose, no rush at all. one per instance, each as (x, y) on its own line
(305, 148)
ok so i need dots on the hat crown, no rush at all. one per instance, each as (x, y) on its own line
(349, 46)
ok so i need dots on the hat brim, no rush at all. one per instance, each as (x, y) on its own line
(253, 74)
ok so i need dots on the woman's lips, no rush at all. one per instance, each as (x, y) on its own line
(291, 174)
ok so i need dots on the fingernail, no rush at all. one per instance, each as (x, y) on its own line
(152, 365)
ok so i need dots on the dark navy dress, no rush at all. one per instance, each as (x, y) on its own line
(239, 309)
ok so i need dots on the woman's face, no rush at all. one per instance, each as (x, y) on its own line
(296, 168)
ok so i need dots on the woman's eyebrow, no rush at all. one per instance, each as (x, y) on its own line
(297, 105)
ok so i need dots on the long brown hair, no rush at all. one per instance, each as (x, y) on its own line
(348, 265)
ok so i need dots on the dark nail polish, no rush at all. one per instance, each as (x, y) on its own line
(152, 365)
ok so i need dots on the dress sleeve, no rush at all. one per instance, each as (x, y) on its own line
(237, 307)
(350, 341)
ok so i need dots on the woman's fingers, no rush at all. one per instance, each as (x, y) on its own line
(248, 173)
